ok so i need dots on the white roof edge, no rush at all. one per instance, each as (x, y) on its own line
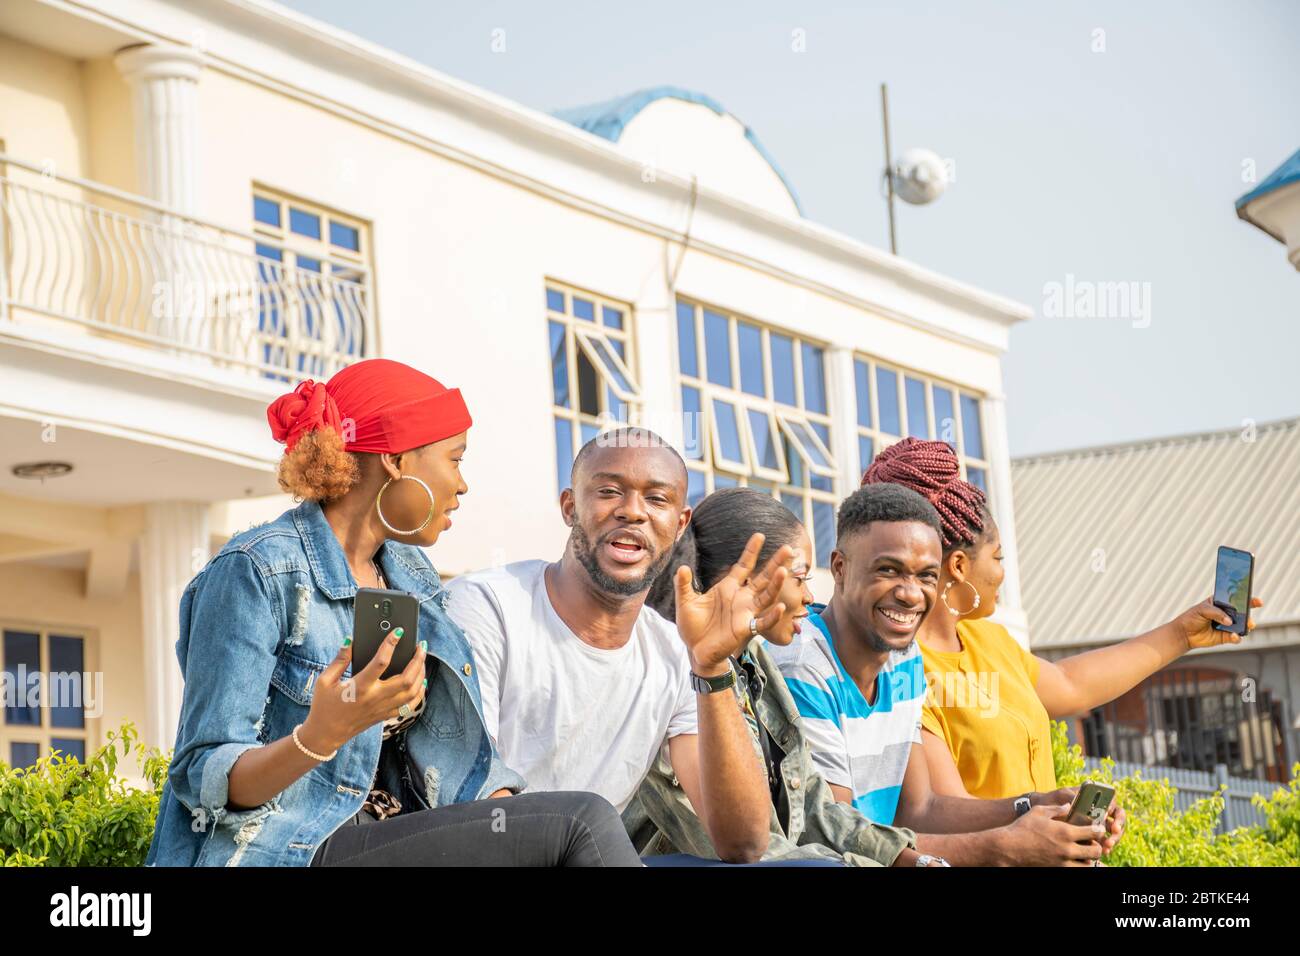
(589, 147)
(1094, 451)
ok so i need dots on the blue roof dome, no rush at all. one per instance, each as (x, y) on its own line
(609, 119)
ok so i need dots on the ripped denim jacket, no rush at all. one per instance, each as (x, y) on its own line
(257, 626)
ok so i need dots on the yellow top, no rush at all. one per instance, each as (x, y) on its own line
(983, 705)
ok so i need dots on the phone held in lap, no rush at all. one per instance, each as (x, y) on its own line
(1232, 584)
(376, 614)
(1090, 804)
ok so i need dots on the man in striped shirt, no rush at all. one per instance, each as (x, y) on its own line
(856, 677)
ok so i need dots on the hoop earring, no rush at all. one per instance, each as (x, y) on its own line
(944, 597)
(380, 511)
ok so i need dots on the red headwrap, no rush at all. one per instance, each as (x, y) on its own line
(376, 406)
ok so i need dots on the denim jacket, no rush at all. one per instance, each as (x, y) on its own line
(817, 826)
(257, 626)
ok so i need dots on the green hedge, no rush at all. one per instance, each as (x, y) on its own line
(1158, 834)
(65, 813)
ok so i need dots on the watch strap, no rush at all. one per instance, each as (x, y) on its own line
(713, 685)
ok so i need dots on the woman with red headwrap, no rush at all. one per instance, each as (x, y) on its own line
(284, 757)
(985, 726)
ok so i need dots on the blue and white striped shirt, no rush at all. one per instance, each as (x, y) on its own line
(862, 747)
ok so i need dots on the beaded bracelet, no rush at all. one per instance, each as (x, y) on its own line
(313, 756)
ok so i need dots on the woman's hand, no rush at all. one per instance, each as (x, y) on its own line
(715, 626)
(342, 709)
(1197, 624)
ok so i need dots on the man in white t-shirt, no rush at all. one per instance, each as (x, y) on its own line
(582, 684)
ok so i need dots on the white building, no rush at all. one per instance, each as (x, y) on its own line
(206, 201)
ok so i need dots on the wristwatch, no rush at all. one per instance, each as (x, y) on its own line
(925, 859)
(1022, 805)
(712, 685)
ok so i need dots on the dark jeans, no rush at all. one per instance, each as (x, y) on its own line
(683, 859)
(531, 829)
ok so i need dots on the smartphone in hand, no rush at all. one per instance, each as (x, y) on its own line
(1090, 804)
(1232, 586)
(376, 614)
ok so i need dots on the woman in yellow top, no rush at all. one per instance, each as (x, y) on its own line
(985, 726)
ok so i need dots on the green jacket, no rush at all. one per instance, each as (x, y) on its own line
(817, 826)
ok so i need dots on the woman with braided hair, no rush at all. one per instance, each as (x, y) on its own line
(985, 725)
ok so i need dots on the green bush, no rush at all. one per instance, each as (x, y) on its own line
(62, 812)
(1158, 834)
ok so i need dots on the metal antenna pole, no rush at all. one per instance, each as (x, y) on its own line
(889, 165)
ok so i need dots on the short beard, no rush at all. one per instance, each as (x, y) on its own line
(586, 556)
(880, 646)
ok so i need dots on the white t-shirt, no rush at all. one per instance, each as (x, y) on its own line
(566, 715)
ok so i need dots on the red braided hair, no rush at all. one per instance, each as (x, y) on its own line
(930, 468)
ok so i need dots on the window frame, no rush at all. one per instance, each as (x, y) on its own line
(44, 734)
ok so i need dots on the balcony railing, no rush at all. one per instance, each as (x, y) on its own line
(108, 263)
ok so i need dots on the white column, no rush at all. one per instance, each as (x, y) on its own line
(843, 405)
(1010, 612)
(165, 90)
(173, 548)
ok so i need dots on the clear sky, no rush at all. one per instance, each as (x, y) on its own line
(1111, 165)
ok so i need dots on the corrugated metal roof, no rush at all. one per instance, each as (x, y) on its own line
(1153, 514)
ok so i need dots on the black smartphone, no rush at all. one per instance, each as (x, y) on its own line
(1090, 804)
(1232, 574)
(375, 616)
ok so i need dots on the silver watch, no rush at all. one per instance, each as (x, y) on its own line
(925, 859)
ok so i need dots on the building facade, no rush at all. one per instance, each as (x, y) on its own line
(204, 203)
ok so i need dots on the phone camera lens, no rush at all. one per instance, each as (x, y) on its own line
(384, 625)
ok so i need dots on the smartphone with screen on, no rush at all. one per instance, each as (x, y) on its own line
(1232, 582)
(375, 615)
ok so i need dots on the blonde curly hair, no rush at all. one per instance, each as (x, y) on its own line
(318, 468)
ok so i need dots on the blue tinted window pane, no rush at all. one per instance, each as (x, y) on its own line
(724, 414)
(686, 351)
(945, 421)
(717, 348)
(619, 346)
(725, 481)
(862, 383)
(267, 211)
(584, 309)
(22, 663)
(820, 482)
(794, 503)
(978, 478)
(345, 237)
(304, 223)
(794, 461)
(782, 349)
(764, 440)
(70, 747)
(588, 385)
(887, 400)
(749, 340)
(823, 532)
(269, 252)
(311, 265)
(759, 485)
(695, 487)
(971, 434)
(866, 452)
(917, 422)
(587, 432)
(23, 754)
(612, 318)
(814, 379)
(67, 658)
(559, 364)
(555, 300)
(692, 424)
(563, 452)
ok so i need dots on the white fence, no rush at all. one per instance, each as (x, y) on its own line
(124, 266)
(1193, 785)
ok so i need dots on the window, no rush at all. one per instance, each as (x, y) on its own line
(312, 286)
(755, 413)
(893, 404)
(593, 386)
(49, 695)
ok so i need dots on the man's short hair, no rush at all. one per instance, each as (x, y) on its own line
(884, 502)
(628, 436)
